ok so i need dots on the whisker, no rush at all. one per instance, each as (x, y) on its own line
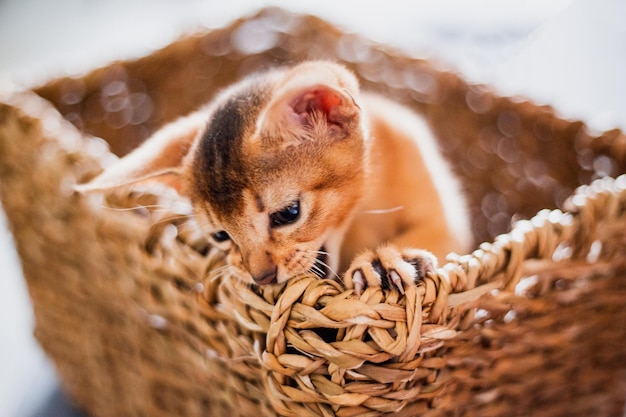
(383, 211)
(225, 266)
(317, 262)
(307, 272)
(218, 272)
(171, 219)
(153, 207)
(327, 266)
(317, 252)
(317, 270)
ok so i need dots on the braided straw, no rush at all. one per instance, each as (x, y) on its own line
(140, 319)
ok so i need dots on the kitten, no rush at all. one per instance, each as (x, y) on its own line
(295, 171)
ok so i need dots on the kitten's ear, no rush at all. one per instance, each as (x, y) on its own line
(159, 159)
(336, 108)
(317, 98)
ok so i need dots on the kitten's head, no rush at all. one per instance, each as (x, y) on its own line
(274, 170)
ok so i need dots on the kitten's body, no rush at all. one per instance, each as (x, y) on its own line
(411, 198)
(296, 172)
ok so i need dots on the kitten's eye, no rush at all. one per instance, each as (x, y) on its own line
(286, 216)
(220, 236)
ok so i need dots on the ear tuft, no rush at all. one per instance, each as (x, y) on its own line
(334, 108)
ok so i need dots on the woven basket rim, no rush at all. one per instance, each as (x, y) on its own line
(276, 326)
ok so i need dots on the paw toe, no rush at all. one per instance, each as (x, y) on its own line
(389, 268)
(357, 281)
(396, 280)
(423, 262)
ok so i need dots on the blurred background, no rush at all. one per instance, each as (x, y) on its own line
(570, 54)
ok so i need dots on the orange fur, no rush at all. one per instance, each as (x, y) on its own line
(293, 162)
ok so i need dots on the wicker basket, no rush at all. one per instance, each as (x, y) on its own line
(129, 305)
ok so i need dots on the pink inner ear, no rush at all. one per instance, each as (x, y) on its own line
(318, 100)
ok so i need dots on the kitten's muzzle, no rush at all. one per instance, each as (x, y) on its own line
(261, 267)
(266, 277)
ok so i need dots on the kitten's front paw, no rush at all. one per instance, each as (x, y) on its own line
(389, 267)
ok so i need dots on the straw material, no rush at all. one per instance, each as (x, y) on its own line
(131, 304)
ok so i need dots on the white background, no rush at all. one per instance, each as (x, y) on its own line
(567, 53)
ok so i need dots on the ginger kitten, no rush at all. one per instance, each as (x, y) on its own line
(295, 171)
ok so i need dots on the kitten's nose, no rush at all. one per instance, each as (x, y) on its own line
(265, 277)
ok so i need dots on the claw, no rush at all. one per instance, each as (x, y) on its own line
(395, 278)
(358, 281)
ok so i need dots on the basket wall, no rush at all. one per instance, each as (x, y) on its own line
(125, 303)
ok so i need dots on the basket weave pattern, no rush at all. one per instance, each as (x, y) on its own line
(132, 306)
